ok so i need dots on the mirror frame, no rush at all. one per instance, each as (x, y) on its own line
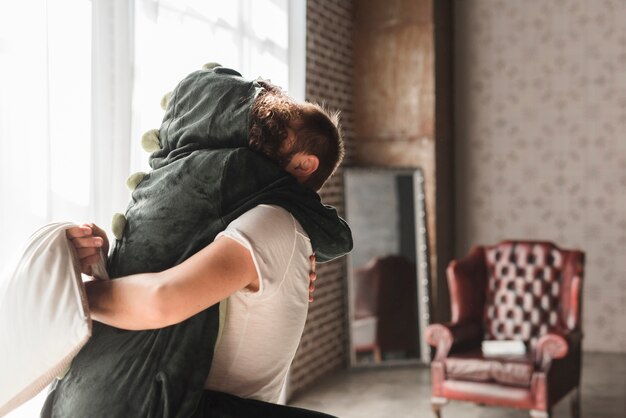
(422, 267)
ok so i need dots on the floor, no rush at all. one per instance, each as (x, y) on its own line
(405, 392)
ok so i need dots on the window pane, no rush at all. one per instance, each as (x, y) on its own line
(264, 13)
(23, 134)
(174, 38)
(69, 78)
(44, 114)
(45, 95)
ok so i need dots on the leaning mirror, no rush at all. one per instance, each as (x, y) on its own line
(388, 269)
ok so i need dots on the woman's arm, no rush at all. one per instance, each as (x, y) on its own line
(156, 300)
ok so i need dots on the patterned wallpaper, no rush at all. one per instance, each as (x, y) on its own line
(540, 130)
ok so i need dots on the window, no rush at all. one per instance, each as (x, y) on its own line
(175, 38)
(45, 119)
(82, 80)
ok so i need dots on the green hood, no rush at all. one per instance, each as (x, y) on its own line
(208, 109)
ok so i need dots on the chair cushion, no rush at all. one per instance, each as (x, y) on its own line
(473, 366)
(44, 320)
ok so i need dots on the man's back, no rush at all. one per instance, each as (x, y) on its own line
(262, 329)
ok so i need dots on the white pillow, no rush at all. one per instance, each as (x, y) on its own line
(44, 317)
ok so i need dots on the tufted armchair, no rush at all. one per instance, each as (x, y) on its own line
(515, 290)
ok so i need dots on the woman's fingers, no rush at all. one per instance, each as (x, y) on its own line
(99, 232)
(82, 236)
(87, 242)
(88, 257)
(87, 252)
(86, 236)
(312, 277)
(78, 231)
(88, 261)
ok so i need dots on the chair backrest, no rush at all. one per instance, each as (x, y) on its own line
(533, 287)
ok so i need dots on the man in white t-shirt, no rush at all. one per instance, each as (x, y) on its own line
(258, 321)
(260, 267)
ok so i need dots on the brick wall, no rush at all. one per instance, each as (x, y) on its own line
(328, 80)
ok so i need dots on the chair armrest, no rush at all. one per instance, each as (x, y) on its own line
(446, 336)
(555, 345)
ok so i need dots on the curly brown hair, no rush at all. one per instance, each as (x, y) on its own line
(316, 129)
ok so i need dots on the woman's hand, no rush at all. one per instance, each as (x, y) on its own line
(88, 240)
(312, 278)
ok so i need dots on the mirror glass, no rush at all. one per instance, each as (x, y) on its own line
(387, 269)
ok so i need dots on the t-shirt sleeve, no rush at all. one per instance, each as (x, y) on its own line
(270, 233)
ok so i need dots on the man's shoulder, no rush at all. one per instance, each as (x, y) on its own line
(271, 228)
(276, 242)
(267, 220)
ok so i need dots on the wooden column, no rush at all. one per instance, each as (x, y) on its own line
(402, 103)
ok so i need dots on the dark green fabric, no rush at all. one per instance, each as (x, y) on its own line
(197, 187)
(208, 109)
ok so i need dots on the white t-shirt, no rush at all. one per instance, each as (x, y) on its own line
(261, 330)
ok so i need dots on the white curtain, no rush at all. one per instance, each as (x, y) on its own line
(45, 121)
(81, 80)
(174, 38)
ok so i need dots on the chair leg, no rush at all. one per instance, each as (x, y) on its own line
(437, 404)
(540, 414)
(377, 356)
(575, 402)
(437, 410)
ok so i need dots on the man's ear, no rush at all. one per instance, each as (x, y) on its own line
(302, 165)
(307, 164)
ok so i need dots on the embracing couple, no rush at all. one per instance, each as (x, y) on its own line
(212, 272)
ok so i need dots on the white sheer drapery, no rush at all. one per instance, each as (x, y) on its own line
(81, 80)
(45, 120)
(46, 169)
(174, 38)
